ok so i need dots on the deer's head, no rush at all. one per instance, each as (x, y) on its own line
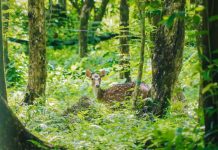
(95, 77)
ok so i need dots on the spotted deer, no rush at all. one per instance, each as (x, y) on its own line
(118, 92)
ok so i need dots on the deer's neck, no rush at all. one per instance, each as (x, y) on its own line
(98, 92)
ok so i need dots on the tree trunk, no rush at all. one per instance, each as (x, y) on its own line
(37, 46)
(83, 29)
(3, 93)
(99, 14)
(167, 56)
(124, 45)
(5, 7)
(209, 73)
(199, 46)
(14, 136)
(142, 51)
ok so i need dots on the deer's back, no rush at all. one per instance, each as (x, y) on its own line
(118, 92)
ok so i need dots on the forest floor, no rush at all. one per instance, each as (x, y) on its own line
(103, 126)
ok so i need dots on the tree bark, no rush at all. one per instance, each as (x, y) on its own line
(99, 14)
(124, 45)
(14, 135)
(209, 72)
(199, 46)
(37, 46)
(83, 29)
(142, 51)
(3, 92)
(167, 56)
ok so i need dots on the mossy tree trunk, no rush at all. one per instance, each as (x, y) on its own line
(83, 29)
(37, 46)
(124, 45)
(3, 93)
(141, 7)
(199, 46)
(14, 136)
(210, 72)
(167, 56)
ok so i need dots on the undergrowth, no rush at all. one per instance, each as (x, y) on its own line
(59, 119)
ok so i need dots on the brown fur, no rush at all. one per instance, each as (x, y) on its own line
(118, 92)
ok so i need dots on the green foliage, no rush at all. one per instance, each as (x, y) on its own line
(14, 76)
(100, 125)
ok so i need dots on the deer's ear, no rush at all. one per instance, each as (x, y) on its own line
(102, 73)
(88, 73)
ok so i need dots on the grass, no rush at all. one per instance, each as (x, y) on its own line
(102, 126)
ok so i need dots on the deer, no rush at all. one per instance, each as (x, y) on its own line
(118, 92)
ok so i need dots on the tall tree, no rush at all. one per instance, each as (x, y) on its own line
(83, 29)
(14, 135)
(210, 72)
(124, 46)
(167, 54)
(84, 8)
(37, 46)
(199, 46)
(99, 14)
(141, 8)
(3, 93)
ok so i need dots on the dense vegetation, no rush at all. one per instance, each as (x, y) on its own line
(67, 114)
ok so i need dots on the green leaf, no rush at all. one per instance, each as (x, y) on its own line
(209, 87)
(199, 8)
(196, 19)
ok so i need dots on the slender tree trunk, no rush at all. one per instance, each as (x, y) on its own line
(199, 46)
(142, 51)
(37, 46)
(210, 68)
(124, 45)
(3, 92)
(167, 57)
(5, 7)
(84, 20)
(99, 14)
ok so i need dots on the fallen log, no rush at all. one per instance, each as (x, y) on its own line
(58, 42)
